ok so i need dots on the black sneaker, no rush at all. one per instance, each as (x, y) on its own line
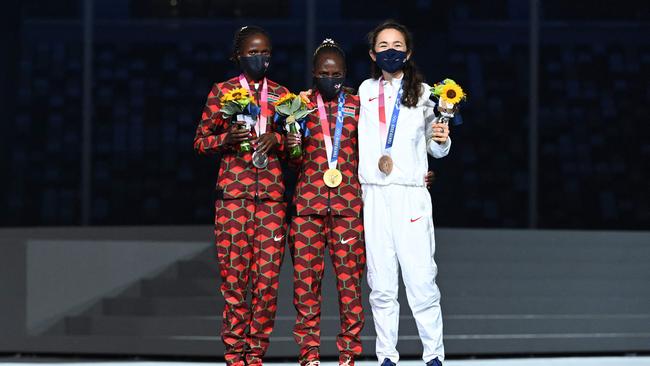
(388, 362)
(434, 362)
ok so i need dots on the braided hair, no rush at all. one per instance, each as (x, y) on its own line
(412, 78)
(328, 46)
(241, 35)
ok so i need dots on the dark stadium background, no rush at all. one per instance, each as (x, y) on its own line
(100, 104)
(542, 208)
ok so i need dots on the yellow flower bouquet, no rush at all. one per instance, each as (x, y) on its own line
(238, 102)
(294, 109)
(448, 95)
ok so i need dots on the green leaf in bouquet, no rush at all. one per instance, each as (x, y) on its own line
(296, 103)
(231, 108)
(243, 102)
(448, 81)
(301, 114)
(437, 90)
(284, 109)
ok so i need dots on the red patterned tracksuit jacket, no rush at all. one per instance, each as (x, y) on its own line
(249, 228)
(328, 217)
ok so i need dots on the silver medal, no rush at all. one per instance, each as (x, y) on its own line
(260, 159)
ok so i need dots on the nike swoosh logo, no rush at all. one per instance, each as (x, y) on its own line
(371, 99)
(414, 220)
(278, 238)
(345, 241)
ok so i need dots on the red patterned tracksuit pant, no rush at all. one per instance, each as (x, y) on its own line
(344, 236)
(250, 246)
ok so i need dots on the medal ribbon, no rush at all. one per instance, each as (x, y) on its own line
(260, 126)
(390, 135)
(332, 151)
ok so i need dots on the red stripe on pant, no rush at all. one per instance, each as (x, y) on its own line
(344, 236)
(250, 245)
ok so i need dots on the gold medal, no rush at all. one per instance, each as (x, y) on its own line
(386, 164)
(332, 178)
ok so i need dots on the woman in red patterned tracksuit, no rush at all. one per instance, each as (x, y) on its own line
(328, 210)
(250, 212)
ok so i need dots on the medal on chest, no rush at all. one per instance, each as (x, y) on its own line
(332, 177)
(385, 163)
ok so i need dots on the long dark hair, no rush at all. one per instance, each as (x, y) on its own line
(241, 35)
(412, 84)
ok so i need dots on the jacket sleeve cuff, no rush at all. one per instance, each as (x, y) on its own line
(439, 150)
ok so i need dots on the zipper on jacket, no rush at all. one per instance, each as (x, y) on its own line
(257, 185)
(329, 209)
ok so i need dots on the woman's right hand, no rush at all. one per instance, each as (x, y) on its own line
(293, 139)
(237, 134)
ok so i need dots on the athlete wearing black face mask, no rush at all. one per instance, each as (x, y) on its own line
(328, 86)
(255, 66)
(328, 166)
(252, 190)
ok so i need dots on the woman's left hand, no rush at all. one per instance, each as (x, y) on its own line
(428, 179)
(267, 142)
(440, 132)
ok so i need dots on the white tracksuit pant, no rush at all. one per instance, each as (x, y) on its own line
(398, 226)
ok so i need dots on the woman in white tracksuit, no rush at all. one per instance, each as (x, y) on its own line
(394, 139)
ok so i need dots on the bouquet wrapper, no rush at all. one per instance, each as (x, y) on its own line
(447, 110)
(245, 146)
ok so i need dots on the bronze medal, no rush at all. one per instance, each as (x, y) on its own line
(332, 178)
(386, 164)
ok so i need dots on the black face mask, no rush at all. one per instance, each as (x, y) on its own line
(329, 87)
(391, 60)
(255, 66)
